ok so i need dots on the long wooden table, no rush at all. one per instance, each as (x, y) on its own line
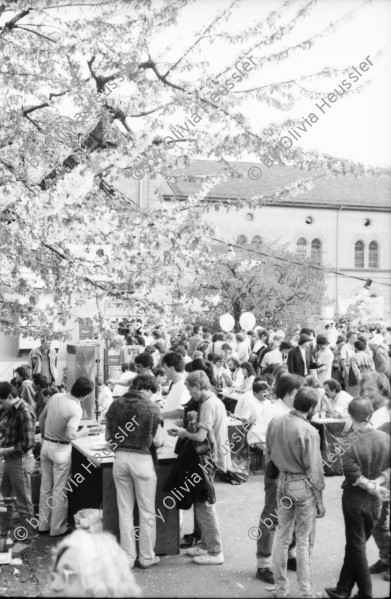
(97, 490)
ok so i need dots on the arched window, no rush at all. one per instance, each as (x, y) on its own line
(301, 247)
(373, 261)
(316, 251)
(256, 240)
(241, 240)
(359, 254)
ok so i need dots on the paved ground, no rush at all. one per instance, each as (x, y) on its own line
(177, 576)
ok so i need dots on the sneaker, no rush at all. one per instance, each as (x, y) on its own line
(335, 593)
(196, 551)
(19, 548)
(189, 541)
(387, 576)
(378, 568)
(266, 575)
(209, 560)
(153, 562)
(292, 564)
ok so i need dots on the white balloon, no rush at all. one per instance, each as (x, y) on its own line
(247, 321)
(227, 322)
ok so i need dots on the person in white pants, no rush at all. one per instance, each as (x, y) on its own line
(132, 425)
(59, 424)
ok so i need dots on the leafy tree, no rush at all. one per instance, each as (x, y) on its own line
(88, 93)
(277, 288)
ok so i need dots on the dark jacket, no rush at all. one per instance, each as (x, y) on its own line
(132, 421)
(368, 456)
(191, 478)
(295, 361)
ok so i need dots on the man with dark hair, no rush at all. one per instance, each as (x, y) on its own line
(362, 463)
(24, 385)
(19, 438)
(59, 424)
(286, 389)
(132, 423)
(293, 445)
(145, 382)
(178, 394)
(144, 363)
(299, 358)
(336, 401)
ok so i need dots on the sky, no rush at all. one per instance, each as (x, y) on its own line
(356, 127)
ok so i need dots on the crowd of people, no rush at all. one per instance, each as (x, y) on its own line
(185, 378)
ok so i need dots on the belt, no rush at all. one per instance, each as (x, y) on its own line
(54, 441)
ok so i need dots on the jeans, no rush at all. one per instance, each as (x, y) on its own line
(381, 533)
(206, 516)
(296, 513)
(53, 501)
(267, 526)
(16, 483)
(135, 480)
(361, 511)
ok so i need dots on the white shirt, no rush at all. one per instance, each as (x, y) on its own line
(275, 409)
(340, 403)
(63, 411)
(325, 357)
(177, 396)
(272, 357)
(213, 414)
(380, 416)
(304, 356)
(124, 379)
(253, 409)
(347, 351)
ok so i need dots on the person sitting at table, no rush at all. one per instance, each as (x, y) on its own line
(228, 352)
(235, 372)
(335, 400)
(248, 378)
(250, 410)
(221, 374)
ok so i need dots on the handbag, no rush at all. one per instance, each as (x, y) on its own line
(271, 470)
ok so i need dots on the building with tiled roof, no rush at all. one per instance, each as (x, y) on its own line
(342, 223)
